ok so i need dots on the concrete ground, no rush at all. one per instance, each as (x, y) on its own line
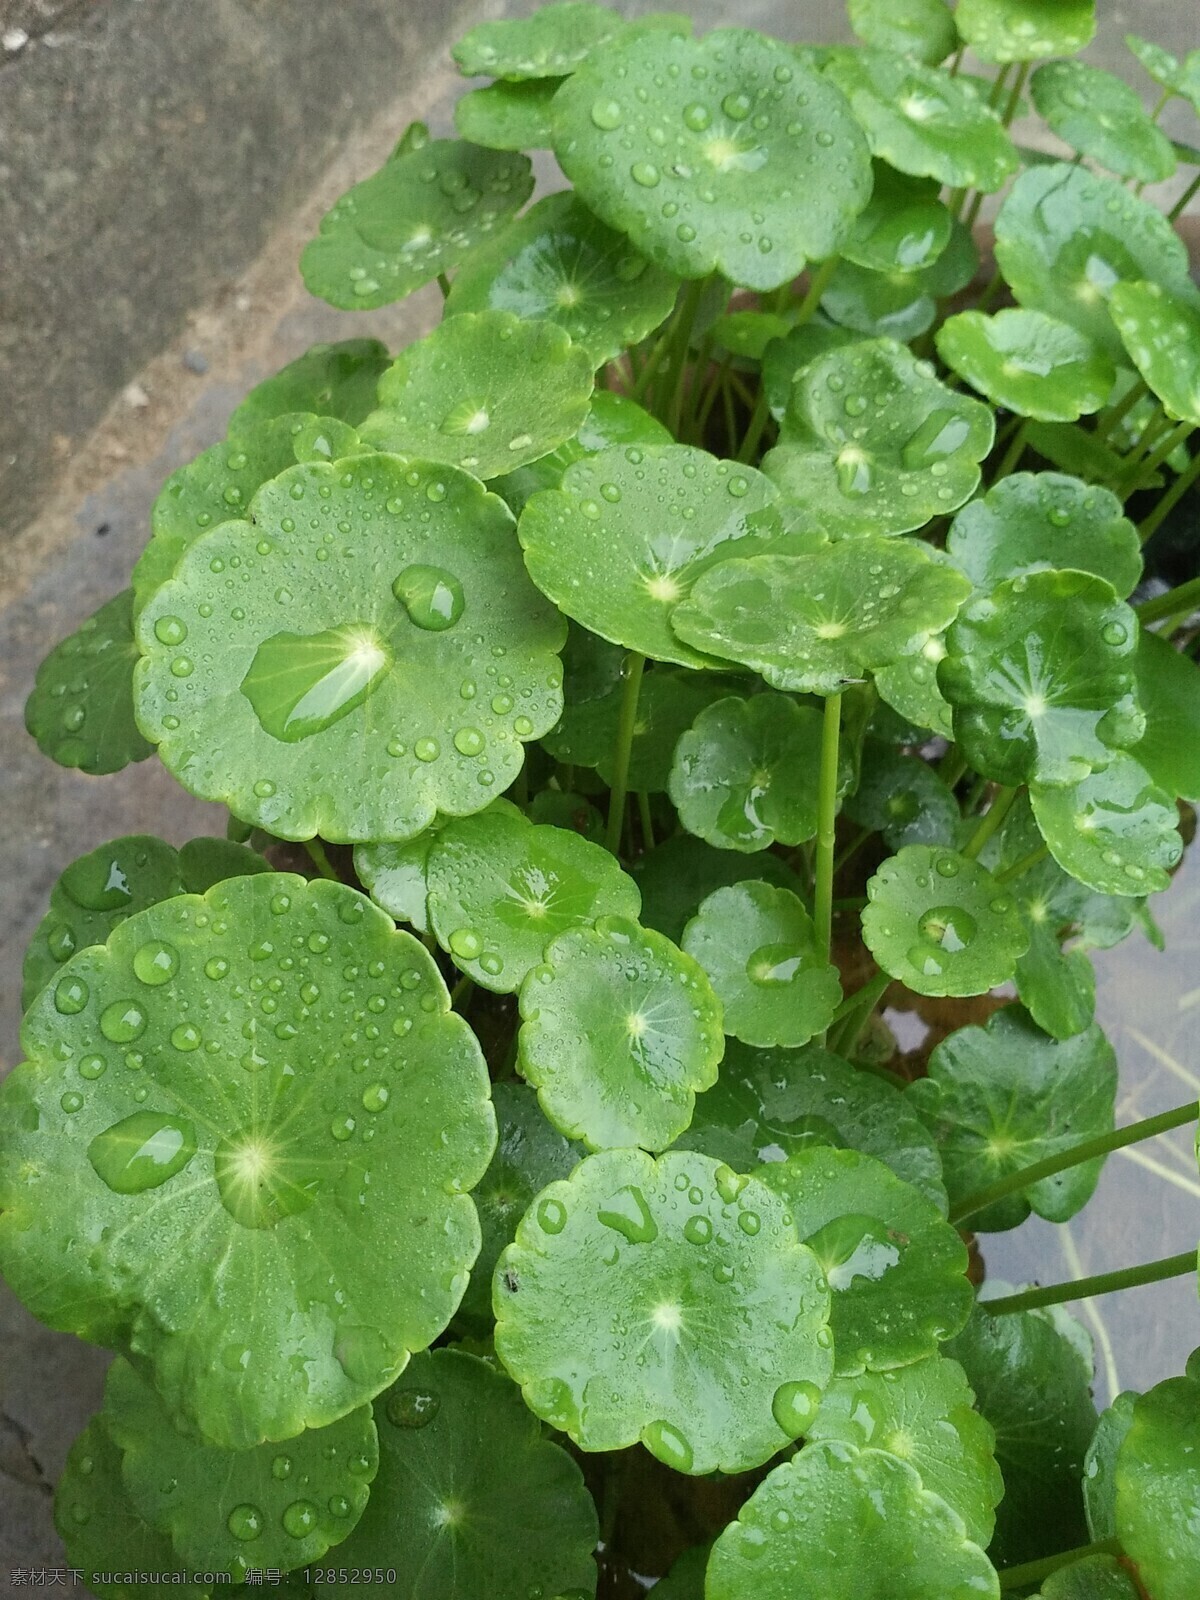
(114, 378)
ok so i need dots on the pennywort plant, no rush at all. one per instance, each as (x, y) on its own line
(742, 608)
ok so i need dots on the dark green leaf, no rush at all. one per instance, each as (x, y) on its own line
(81, 708)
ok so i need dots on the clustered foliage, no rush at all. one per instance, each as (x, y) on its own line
(733, 613)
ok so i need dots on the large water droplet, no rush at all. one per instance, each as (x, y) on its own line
(300, 1519)
(123, 1021)
(70, 996)
(794, 1406)
(948, 926)
(245, 1522)
(671, 1446)
(854, 472)
(412, 1408)
(142, 1151)
(301, 684)
(940, 435)
(551, 1215)
(627, 1213)
(774, 964)
(156, 962)
(606, 114)
(854, 1246)
(432, 597)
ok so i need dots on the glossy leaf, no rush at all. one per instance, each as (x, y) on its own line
(1032, 1381)
(768, 1104)
(329, 380)
(1031, 521)
(703, 152)
(471, 1499)
(484, 391)
(837, 1523)
(745, 774)
(1169, 690)
(784, 358)
(881, 301)
(385, 670)
(508, 115)
(896, 1267)
(210, 1136)
(1162, 336)
(419, 215)
(922, 1414)
(758, 946)
(941, 923)
(909, 686)
(81, 708)
(873, 443)
(815, 623)
(1028, 363)
(530, 1154)
(549, 44)
(1115, 830)
(619, 1032)
(1040, 675)
(678, 874)
(559, 264)
(99, 890)
(1001, 1097)
(1101, 117)
(500, 889)
(1100, 1465)
(630, 531)
(904, 227)
(229, 1510)
(612, 419)
(1065, 236)
(633, 1282)
(1158, 1481)
(903, 798)
(921, 28)
(1024, 30)
(923, 121)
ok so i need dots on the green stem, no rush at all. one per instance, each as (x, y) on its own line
(444, 285)
(1031, 1572)
(1023, 865)
(1056, 1294)
(956, 61)
(320, 860)
(681, 335)
(989, 822)
(852, 1015)
(971, 214)
(827, 784)
(1183, 597)
(1155, 459)
(1014, 98)
(651, 365)
(1013, 454)
(1108, 420)
(952, 767)
(1181, 204)
(626, 722)
(852, 849)
(462, 990)
(643, 803)
(1151, 434)
(818, 282)
(1171, 498)
(998, 85)
(1087, 1150)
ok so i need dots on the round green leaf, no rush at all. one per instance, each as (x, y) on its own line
(1066, 236)
(878, 304)
(395, 874)
(619, 1033)
(873, 443)
(418, 216)
(484, 391)
(909, 686)
(920, 28)
(251, 1138)
(896, 1267)
(1056, 986)
(501, 888)
(330, 380)
(1100, 1465)
(1093, 1578)
(668, 705)
(81, 708)
(668, 1301)
(221, 482)
(784, 357)
(1158, 1485)
(922, 121)
(1033, 520)
(923, 1414)
(471, 1499)
(746, 334)
(229, 1510)
(529, 1155)
(1001, 1097)
(99, 890)
(720, 154)
(941, 923)
(1024, 30)
(745, 774)
(678, 874)
(815, 623)
(559, 264)
(904, 227)
(1040, 675)
(508, 115)
(1169, 690)
(838, 1523)
(1028, 363)
(612, 419)
(102, 1531)
(768, 1104)
(549, 44)
(1116, 830)
(1162, 335)
(903, 798)
(1100, 116)
(758, 946)
(630, 531)
(360, 706)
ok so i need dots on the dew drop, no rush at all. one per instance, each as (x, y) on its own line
(70, 996)
(412, 1408)
(342, 1128)
(466, 944)
(696, 116)
(645, 173)
(551, 1215)
(123, 1021)
(245, 1522)
(469, 742)
(71, 1101)
(300, 1519)
(155, 962)
(432, 597)
(375, 1097)
(697, 1230)
(606, 115)
(170, 630)
(281, 1467)
(92, 1067)
(948, 926)
(671, 1446)
(427, 749)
